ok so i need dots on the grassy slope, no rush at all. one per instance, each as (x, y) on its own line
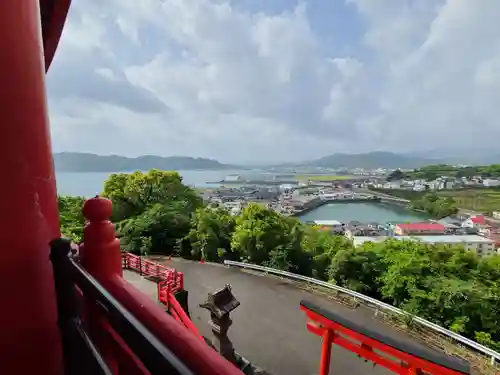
(484, 199)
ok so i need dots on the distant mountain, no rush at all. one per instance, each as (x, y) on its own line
(371, 160)
(471, 155)
(83, 162)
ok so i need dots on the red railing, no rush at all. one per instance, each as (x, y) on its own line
(154, 270)
(167, 298)
(399, 357)
(169, 282)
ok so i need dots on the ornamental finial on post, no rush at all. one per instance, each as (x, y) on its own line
(100, 252)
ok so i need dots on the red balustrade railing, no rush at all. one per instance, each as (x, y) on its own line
(167, 298)
(397, 356)
(169, 283)
(153, 270)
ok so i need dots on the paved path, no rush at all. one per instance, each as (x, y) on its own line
(268, 328)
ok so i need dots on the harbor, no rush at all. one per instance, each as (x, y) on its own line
(292, 200)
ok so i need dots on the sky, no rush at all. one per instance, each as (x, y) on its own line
(250, 81)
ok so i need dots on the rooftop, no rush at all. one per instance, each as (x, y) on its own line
(422, 226)
(327, 223)
(358, 240)
(454, 239)
(478, 220)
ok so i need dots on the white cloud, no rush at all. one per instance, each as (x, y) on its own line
(205, 78)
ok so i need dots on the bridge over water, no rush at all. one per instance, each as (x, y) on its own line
(269, 328)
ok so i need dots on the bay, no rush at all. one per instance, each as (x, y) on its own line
(364, 212)
(90, 184)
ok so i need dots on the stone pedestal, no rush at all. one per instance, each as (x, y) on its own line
(220, 304)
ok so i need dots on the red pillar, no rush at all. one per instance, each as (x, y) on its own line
(29, 338)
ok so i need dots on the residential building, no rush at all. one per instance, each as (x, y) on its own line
(474, 222)
(480, 245)
(451, 225)
(327, 223)
(489, 182)
(333, 226)
(412, 229)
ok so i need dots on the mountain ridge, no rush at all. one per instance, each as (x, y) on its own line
(370, 160)
(88, 162)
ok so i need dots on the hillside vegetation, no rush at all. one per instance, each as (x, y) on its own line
(475, 199)
(370, 160)
(431, 172)
(156, 214)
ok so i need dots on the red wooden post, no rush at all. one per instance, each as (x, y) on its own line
(101, 257)
(29, 339)
(326, 352)
(100, 252)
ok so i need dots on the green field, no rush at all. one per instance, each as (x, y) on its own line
(483, 200)
(320, 177)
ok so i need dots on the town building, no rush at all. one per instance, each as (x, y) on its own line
(474, 222)
(334, 226)
(412, 229)
(480, 245)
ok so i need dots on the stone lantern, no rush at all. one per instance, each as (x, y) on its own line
(220, 304)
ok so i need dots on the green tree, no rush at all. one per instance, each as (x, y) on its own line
(436, 206)
(396, 175)
(358, 269)
(157, 230)
(263, 236)
(71, 217)
(152, 210)
(134, 193)
(322, 247)
(210, 234)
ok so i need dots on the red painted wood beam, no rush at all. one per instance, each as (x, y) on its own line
(53, 16)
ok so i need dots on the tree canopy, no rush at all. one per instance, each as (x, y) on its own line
(436, 206)
(71, 217)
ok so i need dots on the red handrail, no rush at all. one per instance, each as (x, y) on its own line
(169, 282)
(180, 315)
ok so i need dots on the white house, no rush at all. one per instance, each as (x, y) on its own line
(474, 222)
(491, 182)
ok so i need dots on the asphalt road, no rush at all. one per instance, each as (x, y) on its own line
(268, 327)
